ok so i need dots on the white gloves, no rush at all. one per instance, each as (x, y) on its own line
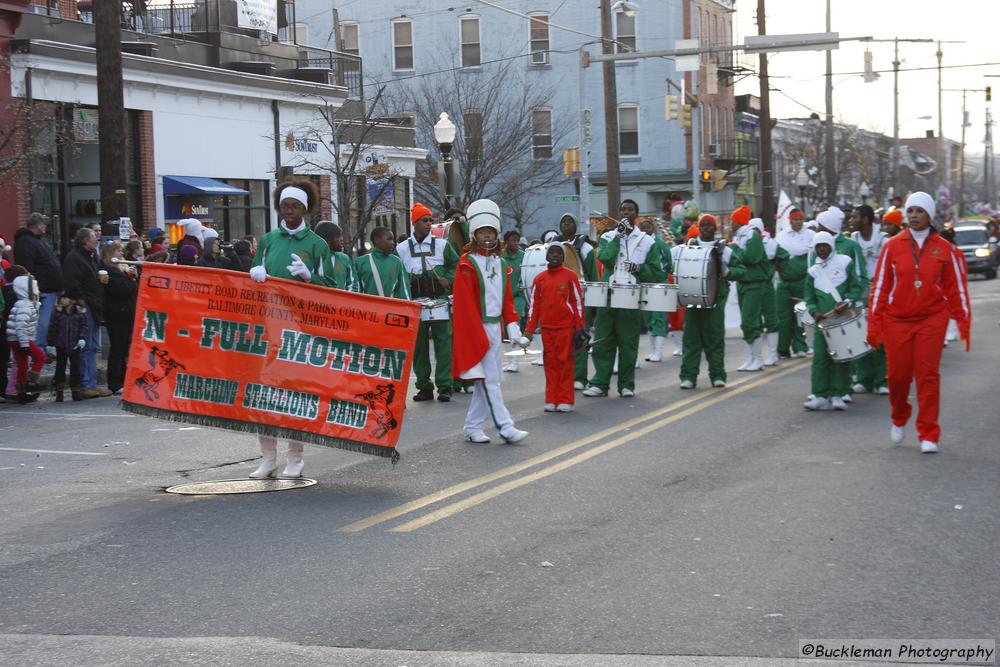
(515, 335)
(81, 344)
(299, 269)
(258, 274)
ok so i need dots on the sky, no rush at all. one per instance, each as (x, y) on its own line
(800, 75)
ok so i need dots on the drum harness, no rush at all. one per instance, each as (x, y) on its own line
(426, 284)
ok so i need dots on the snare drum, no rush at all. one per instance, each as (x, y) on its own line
(698, 271)
(435, 310)
(658, 297)
(846, 335)
(806, 321)
(626, 296)
(596, 295)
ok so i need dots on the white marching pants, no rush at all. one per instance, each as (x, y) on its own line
(487, 398)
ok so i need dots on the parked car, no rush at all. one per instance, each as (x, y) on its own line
(979, 248)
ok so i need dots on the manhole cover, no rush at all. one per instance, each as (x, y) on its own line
(223, 486)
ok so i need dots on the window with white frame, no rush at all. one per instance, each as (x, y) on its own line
(402, 45)
(715, 35)
(541, 133)
(349, 38)
(539, 39)
(628, 129)
(469, 36)
(472, 133)
(624, 32)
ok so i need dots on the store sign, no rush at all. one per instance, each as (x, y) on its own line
(187, 206)
(378, 175)
(85, 126)
(257, 15)
(294, 145)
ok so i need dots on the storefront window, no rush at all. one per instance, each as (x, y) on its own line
(239, 216)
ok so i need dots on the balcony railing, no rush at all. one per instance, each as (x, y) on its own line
(346, 67)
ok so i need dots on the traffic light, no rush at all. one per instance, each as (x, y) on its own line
(571, 162)
(870, 74)
(685, 115)
(706, 178)
(989, 93)
(671, 112)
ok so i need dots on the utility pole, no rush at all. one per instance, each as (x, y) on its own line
(610, 112)
(988, 160)
(942, 158)
(830, 165)
(766, 207)
(111, 117)
(961, 162)
(894, 158)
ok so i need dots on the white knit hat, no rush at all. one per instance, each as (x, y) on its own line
(192, 227)
(832, 218)
(207, 234)
(922, 200)
(824, 237)
(756, 223)
(483, 213)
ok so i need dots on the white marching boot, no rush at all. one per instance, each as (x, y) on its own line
(511, 366)
(749, 359)
(656, 355)
(678, 343)
(293, 462)
(540, 359)
(772, 349)
(756, 356)
(269, 458)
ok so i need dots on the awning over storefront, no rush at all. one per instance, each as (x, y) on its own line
(198, 185)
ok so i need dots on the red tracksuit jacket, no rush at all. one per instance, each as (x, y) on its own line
(556, 300)
(895, 295)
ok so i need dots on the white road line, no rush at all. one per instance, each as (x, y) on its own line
(49, 451)
(68, 415)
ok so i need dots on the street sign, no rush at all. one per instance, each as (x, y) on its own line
(810, 41)
(686, 63)
(562, 199)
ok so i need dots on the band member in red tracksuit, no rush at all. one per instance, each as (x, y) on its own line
(917, 284)
(558, 304)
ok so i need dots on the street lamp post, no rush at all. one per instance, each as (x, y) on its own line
(864, 191)
(802, 182)
(444, 134)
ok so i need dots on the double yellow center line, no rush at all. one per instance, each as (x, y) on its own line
(736, 388)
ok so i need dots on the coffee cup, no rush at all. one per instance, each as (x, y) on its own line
(102, 275)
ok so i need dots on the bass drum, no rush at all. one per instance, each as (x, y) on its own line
(698, 271)
(534, 263)
(451, 230)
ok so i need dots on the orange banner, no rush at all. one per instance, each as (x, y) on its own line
(280, 358)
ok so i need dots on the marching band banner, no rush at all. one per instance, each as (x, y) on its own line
(280, 358)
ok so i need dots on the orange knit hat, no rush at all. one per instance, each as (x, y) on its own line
(894, 216)
(741, 216)
(418, 211)
(693, 231)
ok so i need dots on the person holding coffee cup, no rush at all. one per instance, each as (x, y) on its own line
(83, 284)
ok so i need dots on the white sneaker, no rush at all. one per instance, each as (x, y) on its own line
(478, 437)
(718, 383)
(858, 388)
(882, 391)
(579, 385)
(564, 407)
(800, 354)
(512, 435)
(896, 434)
(847, 398)
(627, 393)
(539, 360)
(816, 403)
(594, 392)
(687, 384)
(511, 366)
(928, 447)
(839, 403)
(550, 407)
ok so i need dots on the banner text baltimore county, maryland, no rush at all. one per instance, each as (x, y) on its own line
(280, 358)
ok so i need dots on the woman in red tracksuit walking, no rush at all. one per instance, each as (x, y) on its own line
(558, 303)
(917, 284)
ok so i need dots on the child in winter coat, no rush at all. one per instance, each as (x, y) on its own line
(68, 335)
(22, 327)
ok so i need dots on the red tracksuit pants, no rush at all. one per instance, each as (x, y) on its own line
(913, 351)
(23, 355)
(559, 363)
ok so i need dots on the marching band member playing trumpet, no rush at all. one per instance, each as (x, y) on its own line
(557, 305)
(430, 263)
(484, 304)
(630, 257)
(705, 328)
(831, 287)
(917, 284)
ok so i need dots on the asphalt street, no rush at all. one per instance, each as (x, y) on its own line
(706, 527)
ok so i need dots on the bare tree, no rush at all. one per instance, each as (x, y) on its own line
(496, 140)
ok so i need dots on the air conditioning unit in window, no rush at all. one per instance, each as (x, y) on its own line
(714, 150)
(540, 58)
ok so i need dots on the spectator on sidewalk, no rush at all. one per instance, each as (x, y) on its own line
(68, 335)
(240, 256)
(84, 285)
(119, 311)
(156, 241)
(32, 251)
(22, 328)
(7, 370)
(135, 251)
(212, 256)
